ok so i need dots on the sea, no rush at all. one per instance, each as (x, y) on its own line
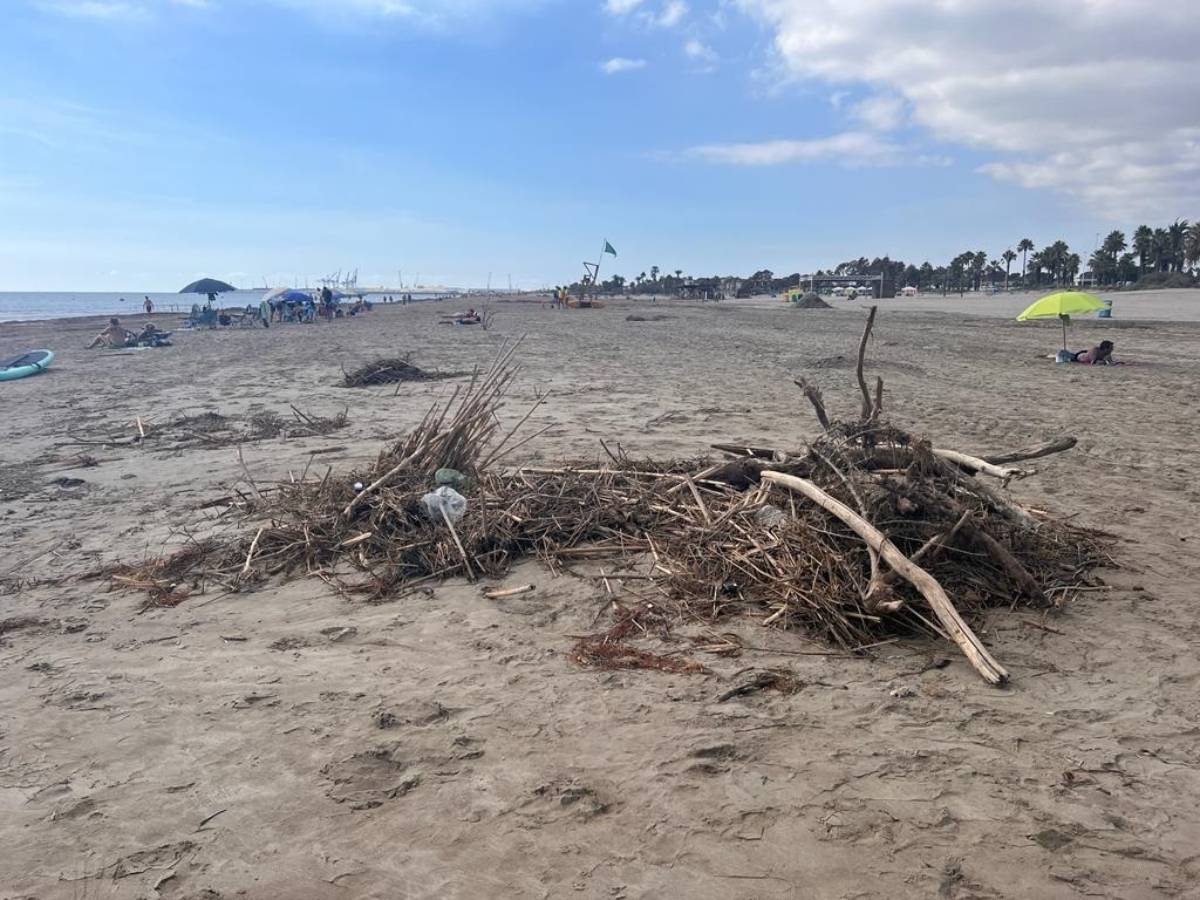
(27, 307)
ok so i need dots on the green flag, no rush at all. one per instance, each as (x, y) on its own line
(608, 248)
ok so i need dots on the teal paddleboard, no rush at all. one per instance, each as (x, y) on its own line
(30, 363)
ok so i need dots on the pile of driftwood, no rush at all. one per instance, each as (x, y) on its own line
(390, 371)
(866, 531)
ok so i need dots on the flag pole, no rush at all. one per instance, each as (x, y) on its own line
(596, 276)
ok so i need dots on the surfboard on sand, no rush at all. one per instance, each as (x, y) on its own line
(29, 363)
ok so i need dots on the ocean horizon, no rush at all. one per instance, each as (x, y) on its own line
(35, 306)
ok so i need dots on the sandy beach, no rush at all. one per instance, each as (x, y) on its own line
(292, 742)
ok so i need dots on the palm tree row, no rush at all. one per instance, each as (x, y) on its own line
(1171, 249)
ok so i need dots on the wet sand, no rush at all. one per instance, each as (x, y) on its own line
(232, 746)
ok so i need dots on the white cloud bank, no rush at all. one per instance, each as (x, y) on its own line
(852, 149)
(434, 14)
(621, 64)
(1099, 99)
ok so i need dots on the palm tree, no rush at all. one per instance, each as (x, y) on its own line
(1025, 247)
(1056, 258)
(957, 269)
(1037, 263)
(1176, 238)
(1008, 256)
(1114, 244)
(978, 262)
(1160, 250)
(1070, 266)
(1191, 247)
(1104, 261)
(654, 273)
(1143, 244)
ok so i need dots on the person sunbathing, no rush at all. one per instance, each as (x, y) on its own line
(112, 337)
(152, 336)
(1100, 355)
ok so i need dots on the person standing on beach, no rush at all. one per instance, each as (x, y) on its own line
(148, 306)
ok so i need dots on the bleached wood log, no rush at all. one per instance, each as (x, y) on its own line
(979, 465)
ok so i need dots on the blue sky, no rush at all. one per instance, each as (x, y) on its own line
(145, 142)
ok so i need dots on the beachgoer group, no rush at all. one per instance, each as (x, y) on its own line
(116, 336)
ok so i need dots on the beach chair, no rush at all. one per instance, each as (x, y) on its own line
(250, 317)
(201, 318)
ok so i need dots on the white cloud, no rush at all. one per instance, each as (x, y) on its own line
(1099, 99)
(621, 64)
(668, 15)
(882, 112)
(673, 12)
(427, 13)
(852, 149)
(699, 52)
(435, 14)
(95, 9)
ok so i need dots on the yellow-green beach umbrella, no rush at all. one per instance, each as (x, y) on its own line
(1062, 304)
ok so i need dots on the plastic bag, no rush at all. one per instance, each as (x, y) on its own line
(444, 499)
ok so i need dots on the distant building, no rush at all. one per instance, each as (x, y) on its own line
(701, 289)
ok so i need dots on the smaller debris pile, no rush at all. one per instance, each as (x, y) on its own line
(212, 429)
(810, 301)
(391, 371)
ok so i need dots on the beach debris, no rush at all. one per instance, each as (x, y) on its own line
(212, 429)
(510, 592)
(451, 477)
(810, 300)
(391, 371)
(864, 533)
(444, 502)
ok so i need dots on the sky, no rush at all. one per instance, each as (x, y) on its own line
(144, 143)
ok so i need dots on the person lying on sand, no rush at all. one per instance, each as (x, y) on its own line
(1098, 356)
(112, 337)
(470, 317)
(151, 336)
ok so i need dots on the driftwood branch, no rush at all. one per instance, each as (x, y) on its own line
(878, 588)
(862, 351)
(378, 483)
(926, 584)
(975, 464)
(1010, 564)
(813, 393)
(932, 548)
(1001, 504)
(1057, 445)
